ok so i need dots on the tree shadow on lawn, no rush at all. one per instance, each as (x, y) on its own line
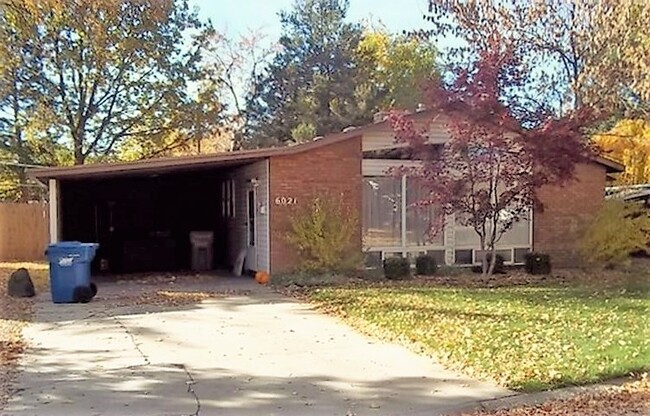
(551, 295)
(175, 389)
(494, 304)
(576, 296)
(437, 310)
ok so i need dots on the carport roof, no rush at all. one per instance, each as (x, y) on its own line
(169, 164)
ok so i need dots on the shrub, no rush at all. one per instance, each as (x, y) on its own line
(618, 230)
(426, 265)
(323, 235)
(396, 268)
(538, 263)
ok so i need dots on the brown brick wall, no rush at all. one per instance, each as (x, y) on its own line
(327, 170)
(566, 210)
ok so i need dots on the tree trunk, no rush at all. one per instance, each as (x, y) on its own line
(79, 157)
(25, 192)
(18, 149)
(493, 261)
(484, 266)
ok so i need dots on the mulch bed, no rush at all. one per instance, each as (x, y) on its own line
(594, 279)
(510, 278)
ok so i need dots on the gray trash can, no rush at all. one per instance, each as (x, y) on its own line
(201, 250)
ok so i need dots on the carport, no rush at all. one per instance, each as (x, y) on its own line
(142, 213)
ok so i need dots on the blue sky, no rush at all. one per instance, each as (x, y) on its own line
(238, 16)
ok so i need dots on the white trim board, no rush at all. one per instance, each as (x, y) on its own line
(54, 210)
(380, 167)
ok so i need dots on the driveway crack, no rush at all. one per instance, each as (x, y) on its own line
(190, 388)
(133, 340)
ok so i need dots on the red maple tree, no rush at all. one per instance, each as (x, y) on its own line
(497, 158)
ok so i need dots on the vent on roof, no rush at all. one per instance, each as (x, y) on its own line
(380, 116)
(421, 107)
(317, 138)
(349, 128)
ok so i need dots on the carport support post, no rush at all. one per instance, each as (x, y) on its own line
(54, 210)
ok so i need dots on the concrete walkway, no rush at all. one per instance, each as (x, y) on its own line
(249, 353)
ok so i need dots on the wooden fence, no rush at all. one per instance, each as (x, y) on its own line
(24, 231)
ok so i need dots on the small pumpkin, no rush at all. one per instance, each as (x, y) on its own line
(262, 278)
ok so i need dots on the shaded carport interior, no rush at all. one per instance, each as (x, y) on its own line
(142, 215)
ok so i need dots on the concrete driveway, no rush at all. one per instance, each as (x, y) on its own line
(251, 352)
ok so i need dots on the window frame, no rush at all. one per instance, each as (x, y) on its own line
(448, 241)
(228, 198)
(404, 247)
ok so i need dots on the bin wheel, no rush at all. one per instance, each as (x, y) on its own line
(82, 294)
(93, 288)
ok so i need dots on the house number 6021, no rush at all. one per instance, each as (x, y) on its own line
(285, 200)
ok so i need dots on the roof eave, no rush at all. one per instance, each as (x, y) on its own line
(610, 165)
(179, 163)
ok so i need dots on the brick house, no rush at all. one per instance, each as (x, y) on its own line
(141, 213)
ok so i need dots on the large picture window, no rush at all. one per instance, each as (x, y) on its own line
(419, 218)
(518, 235)
(382, 211)
(391, 217)
(394, 224)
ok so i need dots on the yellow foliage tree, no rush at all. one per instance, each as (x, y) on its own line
(628, 143)
(397, 66)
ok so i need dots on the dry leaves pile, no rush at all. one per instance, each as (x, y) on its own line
(162, 298)
(14, 313)
(160, 278)
(167, 298)
(628, 400)
(160, 290)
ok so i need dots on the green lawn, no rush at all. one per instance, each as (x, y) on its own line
(526, 338)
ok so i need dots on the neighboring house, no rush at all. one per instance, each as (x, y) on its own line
(141, 213)
(630, 193)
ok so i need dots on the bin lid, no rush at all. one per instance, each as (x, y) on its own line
(65, 244)
(72, 244)
(201, 236)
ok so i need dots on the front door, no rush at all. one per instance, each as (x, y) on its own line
(251, 230)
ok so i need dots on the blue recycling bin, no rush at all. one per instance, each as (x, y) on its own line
(69, 268)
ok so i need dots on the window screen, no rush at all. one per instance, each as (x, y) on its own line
(382, 211)
(518, 235)
(228, 198)
(419, 218)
